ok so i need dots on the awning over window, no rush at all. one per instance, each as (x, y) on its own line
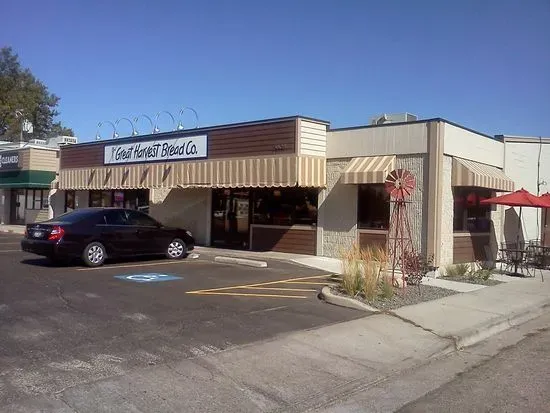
(471, 173)
(26, 179)
(368, 170)
(277, 171)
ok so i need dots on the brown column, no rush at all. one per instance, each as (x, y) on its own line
(435, 204)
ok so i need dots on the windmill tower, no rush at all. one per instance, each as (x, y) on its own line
(400, 183)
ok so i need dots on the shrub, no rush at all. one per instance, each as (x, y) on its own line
(386, 287)
(457, 270)
(416, 267)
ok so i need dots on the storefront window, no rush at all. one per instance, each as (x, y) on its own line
(285, 206)
(70, 197)
(36, 199)
(131, 199)
(469, 215)
(373, 207)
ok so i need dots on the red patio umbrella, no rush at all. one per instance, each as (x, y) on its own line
(520, 198)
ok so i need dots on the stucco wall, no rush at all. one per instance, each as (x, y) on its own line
(417, 208)
(35, 215)
(447, 216)
(57, 203)
(521, 165)
(337, 211)
(466, 144)
(186, 208)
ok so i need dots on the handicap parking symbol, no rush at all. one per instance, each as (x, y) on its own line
(149, 277)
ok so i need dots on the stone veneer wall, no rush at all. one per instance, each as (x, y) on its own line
(337, 217)
(447, 216)
(417, 164)
(186, 208)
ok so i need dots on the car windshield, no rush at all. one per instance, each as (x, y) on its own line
(73, 216)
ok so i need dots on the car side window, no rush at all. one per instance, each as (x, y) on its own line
(115, 218)
(139, 219)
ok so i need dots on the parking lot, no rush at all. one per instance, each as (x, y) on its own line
(61, 326)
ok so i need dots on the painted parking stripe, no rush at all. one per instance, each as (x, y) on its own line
(11, 251)
(279, 289)
(250, 294)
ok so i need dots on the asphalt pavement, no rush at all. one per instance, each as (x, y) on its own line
(516, 380)
(62, 326)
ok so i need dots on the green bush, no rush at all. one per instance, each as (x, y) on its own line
(386, 287)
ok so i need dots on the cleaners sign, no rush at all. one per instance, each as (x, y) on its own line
(9, 160)
(152, 151)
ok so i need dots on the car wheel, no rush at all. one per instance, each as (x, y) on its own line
(94, 254)
(176, 250)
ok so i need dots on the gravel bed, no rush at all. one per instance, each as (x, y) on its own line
(464, 279)
(405, 296)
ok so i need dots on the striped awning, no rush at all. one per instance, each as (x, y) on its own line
(275, 171)
(368, 170)
(471, 173)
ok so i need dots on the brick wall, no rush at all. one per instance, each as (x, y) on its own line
(185, 208)
(337, 211)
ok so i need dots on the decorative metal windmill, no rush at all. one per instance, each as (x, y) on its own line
(400, 183)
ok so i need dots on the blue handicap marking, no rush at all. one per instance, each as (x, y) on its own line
(150, 277)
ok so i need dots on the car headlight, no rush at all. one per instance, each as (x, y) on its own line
(189, 233)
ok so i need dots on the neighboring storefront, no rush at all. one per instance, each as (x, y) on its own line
(454, 168)
(250, 185)
(26, 174)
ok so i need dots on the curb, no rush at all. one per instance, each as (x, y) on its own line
(241, 261)
(11, 231)
(481, 332)
(347, 302)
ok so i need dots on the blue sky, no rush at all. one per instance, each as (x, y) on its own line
(483, 64)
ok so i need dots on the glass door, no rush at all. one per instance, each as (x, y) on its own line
(17, 215)
(230, 218)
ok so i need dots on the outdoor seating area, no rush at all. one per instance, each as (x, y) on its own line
(524, 258)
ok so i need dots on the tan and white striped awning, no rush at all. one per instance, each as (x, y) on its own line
(274, 171)
(471, 173)
(368, 170)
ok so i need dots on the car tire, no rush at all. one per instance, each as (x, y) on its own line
(176, 249)
(94, 254)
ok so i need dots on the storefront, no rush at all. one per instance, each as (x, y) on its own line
(251, 185)
(454, 168)
(25, 178)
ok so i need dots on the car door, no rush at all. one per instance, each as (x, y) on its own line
(151, 239)
(116, 234)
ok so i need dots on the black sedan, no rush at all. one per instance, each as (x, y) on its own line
(94, 234)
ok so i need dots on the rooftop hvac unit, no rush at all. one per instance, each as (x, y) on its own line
(37, 141)
(67, 140)
(393, 118)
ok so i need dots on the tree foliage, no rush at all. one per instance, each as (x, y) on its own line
(23, 96)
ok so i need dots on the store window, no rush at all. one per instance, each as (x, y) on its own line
(70, 201)
(285, 206)
(130, 199)
(36, 198)
(469, 214)
(373, 207)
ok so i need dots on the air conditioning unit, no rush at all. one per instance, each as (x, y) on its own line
(37, 141)
(393, 118)
(68, 140)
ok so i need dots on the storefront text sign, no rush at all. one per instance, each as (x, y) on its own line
(160, 150)
(9, 160)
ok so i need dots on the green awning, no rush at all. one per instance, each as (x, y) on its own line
(26, 179)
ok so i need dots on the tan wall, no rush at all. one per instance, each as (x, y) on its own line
(312, 138)
(185, 208)
(57, 203)
(35, 215)
(378, 140)
(465, 144)
(39, 159)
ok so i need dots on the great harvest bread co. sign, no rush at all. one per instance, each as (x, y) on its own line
(153, 151)
(9, 160)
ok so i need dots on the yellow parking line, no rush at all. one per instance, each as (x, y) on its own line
(260, 284)
(305, 282)
(244, 294)
(147, 264)
(277, 289)
(11, 251)
(10, 243)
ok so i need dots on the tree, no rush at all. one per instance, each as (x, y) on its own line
(23, 96)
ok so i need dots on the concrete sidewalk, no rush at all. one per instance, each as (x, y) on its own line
(14, 229)
(307, 369)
